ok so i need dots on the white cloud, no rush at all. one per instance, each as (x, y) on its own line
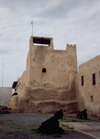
(67, 21)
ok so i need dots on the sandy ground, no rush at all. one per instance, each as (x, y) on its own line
(23, 126)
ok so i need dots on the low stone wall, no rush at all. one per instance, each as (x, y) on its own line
(43, 101)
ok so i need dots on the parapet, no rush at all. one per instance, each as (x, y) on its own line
(70, 46)
(71, 49)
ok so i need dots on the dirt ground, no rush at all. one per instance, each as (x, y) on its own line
(23, 126)
(89, 127)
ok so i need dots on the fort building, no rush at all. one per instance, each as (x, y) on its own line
(49, 78)
(52, 82)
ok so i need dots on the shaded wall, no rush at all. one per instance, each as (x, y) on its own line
(87, 86)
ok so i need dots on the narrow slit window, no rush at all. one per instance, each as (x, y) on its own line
(93, 79)
(44, 70)
(82, 80)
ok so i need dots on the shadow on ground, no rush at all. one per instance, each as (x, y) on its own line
(23, 126)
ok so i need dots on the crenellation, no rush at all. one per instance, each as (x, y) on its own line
(71, 49)
(70, 45)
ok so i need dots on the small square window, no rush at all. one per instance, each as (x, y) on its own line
(44, 70)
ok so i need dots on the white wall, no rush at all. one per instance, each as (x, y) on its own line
(5, 95)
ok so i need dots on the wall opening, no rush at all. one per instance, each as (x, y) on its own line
(82, 80)
(91, 98)
(41, 41)
(93, 79)
(44, 70)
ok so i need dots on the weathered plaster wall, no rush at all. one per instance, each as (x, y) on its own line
(5, 95)
(88, 95)
(53, 89)
(39, 100)
(60, 65)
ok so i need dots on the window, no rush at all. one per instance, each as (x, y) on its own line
(93, 79)
(91, 98)
(44, 70)
(82, 80)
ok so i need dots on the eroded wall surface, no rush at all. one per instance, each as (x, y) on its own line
(60, 66)
(87, 86)
(5, 95)
(48, 83)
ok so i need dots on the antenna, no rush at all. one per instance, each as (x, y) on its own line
(2, 72)
(32, 27)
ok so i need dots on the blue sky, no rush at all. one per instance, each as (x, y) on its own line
(66, 21)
